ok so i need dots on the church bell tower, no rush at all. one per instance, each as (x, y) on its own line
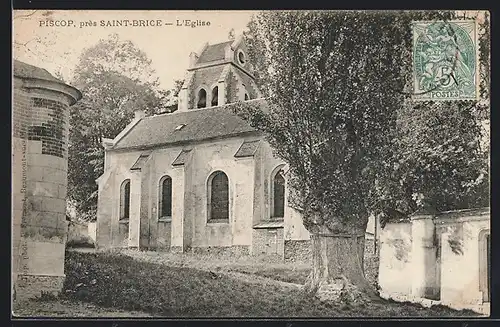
(218, 74)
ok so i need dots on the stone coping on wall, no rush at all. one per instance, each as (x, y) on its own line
(463, 215)
(269, 224)
(443, 217)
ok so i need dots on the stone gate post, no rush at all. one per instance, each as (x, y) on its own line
(423, 256)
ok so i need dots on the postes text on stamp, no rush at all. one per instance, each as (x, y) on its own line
(445, 60)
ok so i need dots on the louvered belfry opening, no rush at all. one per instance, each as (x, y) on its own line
(215, 96)
(202, 98)
(219, 197)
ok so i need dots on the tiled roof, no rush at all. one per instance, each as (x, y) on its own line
(181, 158)
(247, 149)
(141, 161)
(198, 124)
(214, 52)
(270, 224)
(22, 69)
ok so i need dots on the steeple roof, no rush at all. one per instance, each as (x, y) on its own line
(214, 52)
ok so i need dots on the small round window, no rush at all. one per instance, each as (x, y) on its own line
(241, 57)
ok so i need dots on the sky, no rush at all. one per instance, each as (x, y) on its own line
(57, 48)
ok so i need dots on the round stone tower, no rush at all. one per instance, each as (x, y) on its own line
(40, 127)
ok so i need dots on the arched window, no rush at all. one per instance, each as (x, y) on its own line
(125, 199)
(218, 197)
(202, 98)
(278, 194)
(215, 96)
(247, 97)
(165, 204)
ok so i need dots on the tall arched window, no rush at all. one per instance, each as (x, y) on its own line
(202, 98)
(247, 97)
(218, 197)
(165, 204)
(125, 199)
(278, 194)
(215, 96)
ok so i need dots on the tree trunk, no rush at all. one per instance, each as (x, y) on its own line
(338, 272)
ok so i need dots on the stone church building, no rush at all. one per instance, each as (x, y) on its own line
(199, 178)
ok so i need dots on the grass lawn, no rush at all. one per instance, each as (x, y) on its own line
(118, 281)
(265, 266)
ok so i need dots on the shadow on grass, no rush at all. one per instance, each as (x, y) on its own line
(119, 281)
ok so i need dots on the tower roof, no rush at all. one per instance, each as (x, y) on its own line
(25, 70)
(214, 52)
(36, 75)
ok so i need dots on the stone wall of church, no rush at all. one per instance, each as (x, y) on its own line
(206, 78)
(247, 83)
(293, 226)
(188, 227)
(250, 201)
(206, 159)
(111, 232)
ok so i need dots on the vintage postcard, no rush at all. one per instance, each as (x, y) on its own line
(213, 164)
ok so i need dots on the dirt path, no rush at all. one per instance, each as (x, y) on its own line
(66, 308)
(220, 267)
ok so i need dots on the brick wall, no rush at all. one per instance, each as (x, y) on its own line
(41, 125)
(298, 250)
(22, 114)
(267, 241)
(235, 250)
(48, 120)
(39, 186)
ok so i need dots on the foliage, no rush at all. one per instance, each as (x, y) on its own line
(83, 242)
(338, 86)
(255, 44)
(116, 79)
(441, 150)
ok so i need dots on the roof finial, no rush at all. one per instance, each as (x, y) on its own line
(231, 35)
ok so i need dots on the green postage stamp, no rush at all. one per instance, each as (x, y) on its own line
(445, 60)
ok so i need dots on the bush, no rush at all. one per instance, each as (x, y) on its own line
(80, 242)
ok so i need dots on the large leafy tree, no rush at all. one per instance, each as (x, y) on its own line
(441, 150)
(338, 87)
(116, 79)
